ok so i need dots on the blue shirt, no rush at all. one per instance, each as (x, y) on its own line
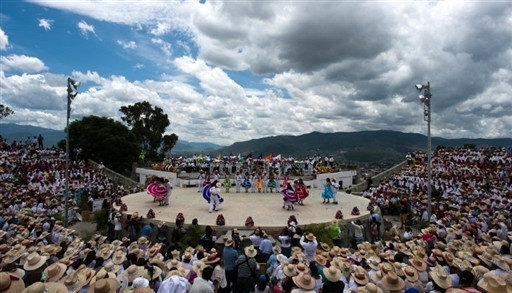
(266, 246)
(230, 256)
(146, 231)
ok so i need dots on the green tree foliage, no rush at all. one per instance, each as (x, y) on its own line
(148, 123)
(5, 111)
(106, 140)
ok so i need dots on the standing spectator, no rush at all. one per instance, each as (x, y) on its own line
(118, 227)
(40, 140)
(358, 231)
(247, 267)
(230, 255)
(202, 285)
(309, 244)
(335, 232)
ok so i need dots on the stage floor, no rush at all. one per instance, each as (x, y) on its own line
(265, 208)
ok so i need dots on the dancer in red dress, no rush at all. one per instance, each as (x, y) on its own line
(302, 191)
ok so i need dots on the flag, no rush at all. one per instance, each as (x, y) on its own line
(277, 158)
(249, 156)
(268, 157)
(260, 156)
(219, 156)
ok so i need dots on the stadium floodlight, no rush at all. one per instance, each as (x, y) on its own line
(72, 93)
(425, 100)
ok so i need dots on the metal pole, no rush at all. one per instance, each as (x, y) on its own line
(66, 192)
(429, 182)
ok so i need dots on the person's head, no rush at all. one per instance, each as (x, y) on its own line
(207, 273)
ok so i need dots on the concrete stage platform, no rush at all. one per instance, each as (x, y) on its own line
(265, 208)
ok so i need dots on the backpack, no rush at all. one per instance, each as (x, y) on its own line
(249, 222)
(220, 220)
(339, 215)
(180, 217)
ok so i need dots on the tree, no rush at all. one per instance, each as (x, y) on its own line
(149, 124)
(105, 140)
(5, 111)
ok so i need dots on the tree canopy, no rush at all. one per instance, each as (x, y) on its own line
(105, 140)
(148, 124)
(5, 111)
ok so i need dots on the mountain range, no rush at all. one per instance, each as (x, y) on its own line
(382, 147)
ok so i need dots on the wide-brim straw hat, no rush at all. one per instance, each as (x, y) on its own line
(229, 242)
(320, 259)
(212, 258)
(55, 271)
(332, 273)
(373, 262)
(133, 272)
(118, 258)
(310, 236)
(47, 287)
(492, 283)
(250, 251)
(88, 273)
(360, 275)
(10, 283)
(392, 282)
(418, 264)
(289, 270)
(74, 281)
(174, 263)
(157, 271)
(34, 261)
(108, 285)
(346, 268)
(410, 273)
(101, 274)
(500, 263)
(304, 281)
(440, 277)
(301, 268)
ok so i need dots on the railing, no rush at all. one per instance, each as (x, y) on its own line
(376, 179)
(116, 177)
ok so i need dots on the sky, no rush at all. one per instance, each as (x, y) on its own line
(228, 71)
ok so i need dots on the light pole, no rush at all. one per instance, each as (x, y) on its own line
(72, 92)
(425, 99)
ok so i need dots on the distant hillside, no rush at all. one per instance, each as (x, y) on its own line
(13, 132)
(17, 132)
(382, 146)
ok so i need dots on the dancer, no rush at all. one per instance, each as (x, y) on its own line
(253, 182)
(259, 182)
(157, 189)
(227, 182)
(271, 181)
(327, 193)
(335, 187)
(289, 197)
(214, 196)
(246, 183)
(286, 177)
(302, 191)
(238, 181)
(168, 188)
(200, 180)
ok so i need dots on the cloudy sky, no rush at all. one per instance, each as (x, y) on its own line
(227, 71)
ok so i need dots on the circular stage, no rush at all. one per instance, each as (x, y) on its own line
(264, 208)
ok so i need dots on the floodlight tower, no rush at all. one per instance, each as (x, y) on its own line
(425, 99)
(72, 93)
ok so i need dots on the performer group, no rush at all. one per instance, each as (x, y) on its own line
(293, 193)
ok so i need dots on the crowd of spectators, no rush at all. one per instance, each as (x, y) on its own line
(465, 246)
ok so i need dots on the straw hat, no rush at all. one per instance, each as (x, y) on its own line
(304, 281)
(108, 285)
(410, 273)
(310, 236)
(332, 273)
(10, 283)
(88, 273)
(34, 261)
(479, 271)
(276, 249)
(118, 258)
(289, 270)
(320, 259)
(157, 271)
(229, 242)
(301, 268)
(492, 283)
(48, 287)
(372, 288)
(373, 262)
(360, 275)
(250, 251)
(386, 267)
(418, 264)
(392, 282)
(346, 268)
(198, 267)
(55, 271)
(500, 263)
(174, 263)
(74, 281)
(133, 272)
(486, 257)
(377, 277)
(440, 277)
(101, 274)
(212, 258)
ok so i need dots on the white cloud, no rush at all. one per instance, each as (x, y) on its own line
(164, 46)
(4, 40)
(22, 63)
(86, 28)
(127, 45)
(46, 23)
